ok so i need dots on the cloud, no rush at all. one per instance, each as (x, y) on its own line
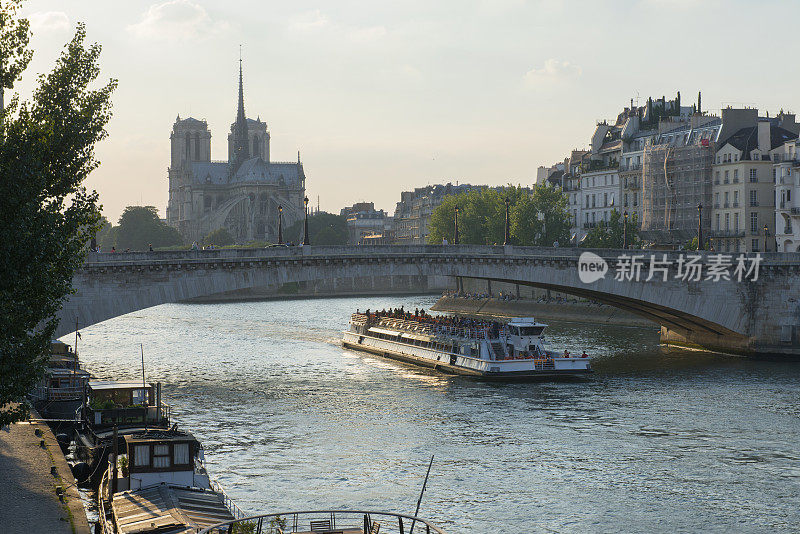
(309, 21)
(177, 20)
(367, 35)
(48, 21)
(553, 72)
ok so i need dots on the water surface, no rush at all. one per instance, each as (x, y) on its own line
(656, 440)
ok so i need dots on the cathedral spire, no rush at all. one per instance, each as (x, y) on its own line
(241, 144)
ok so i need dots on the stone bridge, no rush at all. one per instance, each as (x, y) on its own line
(759, 316)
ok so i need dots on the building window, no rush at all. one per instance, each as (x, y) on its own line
(594, 203)
(716, 177)
(726, 198)
(755, 245)
(753, 176)
(754, 222)
(735, 222)
(753, 198)
(605, 199)
(736, 199)
(625, 200)
(727, 222)
(726, 177)
(735, 176)
(587, 201)
(717, 217)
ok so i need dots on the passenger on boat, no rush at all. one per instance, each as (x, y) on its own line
(566, 353)
(584, 355)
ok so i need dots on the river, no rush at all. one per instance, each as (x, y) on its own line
(657, 440)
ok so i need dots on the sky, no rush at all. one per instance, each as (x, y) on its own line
(381, 97)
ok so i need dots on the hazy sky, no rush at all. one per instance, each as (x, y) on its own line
(381, 97)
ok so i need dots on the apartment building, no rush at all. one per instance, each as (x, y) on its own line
(786, 167)
(744, 188)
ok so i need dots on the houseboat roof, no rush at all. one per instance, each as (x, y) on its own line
(64, 371)
(115, 384)
(159, 435)
(168, 510)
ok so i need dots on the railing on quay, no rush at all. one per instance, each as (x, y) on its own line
(327, 521)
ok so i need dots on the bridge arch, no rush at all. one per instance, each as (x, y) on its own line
(727, 314)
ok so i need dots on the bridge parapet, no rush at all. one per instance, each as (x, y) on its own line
(731, 313)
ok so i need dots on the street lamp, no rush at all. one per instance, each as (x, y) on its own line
(766, 238)
(280, 225)
(305, 226)
(455, 234)
(699, 227)
(625, 231)
(507, 240)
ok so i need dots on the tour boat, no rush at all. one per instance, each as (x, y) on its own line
(160, 485)
(485, 349)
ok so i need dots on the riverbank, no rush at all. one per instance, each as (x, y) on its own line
(32, 468)
(572, 311)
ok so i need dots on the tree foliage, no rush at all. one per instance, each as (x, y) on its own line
(323, 229)
(47, 216)
(538, 218)
(612, 234)
(140, 226)
(219, 237)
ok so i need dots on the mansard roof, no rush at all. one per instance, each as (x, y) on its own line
(746, 139)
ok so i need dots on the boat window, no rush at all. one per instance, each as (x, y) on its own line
(181, 453)
(161, 456)
(531, 330)
(139, 396)
(514, 330)
(142, 455)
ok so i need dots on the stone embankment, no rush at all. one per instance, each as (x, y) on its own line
(33, 472)
(580, 311)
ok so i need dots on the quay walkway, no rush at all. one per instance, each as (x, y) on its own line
(28, 482)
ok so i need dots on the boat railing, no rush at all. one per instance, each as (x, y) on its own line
(128, 415)
(327, 521)
(237, 512)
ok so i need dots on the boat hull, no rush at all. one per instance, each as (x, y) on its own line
(509, 370)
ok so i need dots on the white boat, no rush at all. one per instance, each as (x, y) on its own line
(490, 350)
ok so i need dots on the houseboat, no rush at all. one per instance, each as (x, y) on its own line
(157, 483)
(59, 394)
(484, 349)
(124, 407)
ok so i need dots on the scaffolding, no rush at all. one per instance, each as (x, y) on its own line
(675, 180)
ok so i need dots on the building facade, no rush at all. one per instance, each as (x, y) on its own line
(744, 216)
(413, 213)
(786, 161)
(242, 194)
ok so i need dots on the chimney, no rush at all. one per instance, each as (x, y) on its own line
(764, 142)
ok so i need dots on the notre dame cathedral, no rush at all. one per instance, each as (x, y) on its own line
(241, 194)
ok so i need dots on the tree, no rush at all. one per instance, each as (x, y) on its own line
(610, 234)
(542, 218)
(47, 217)
(105, 236)
(539, 218)
(140, 226)
(220, 236)
(323, 229)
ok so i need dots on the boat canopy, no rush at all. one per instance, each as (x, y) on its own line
(384, 331)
